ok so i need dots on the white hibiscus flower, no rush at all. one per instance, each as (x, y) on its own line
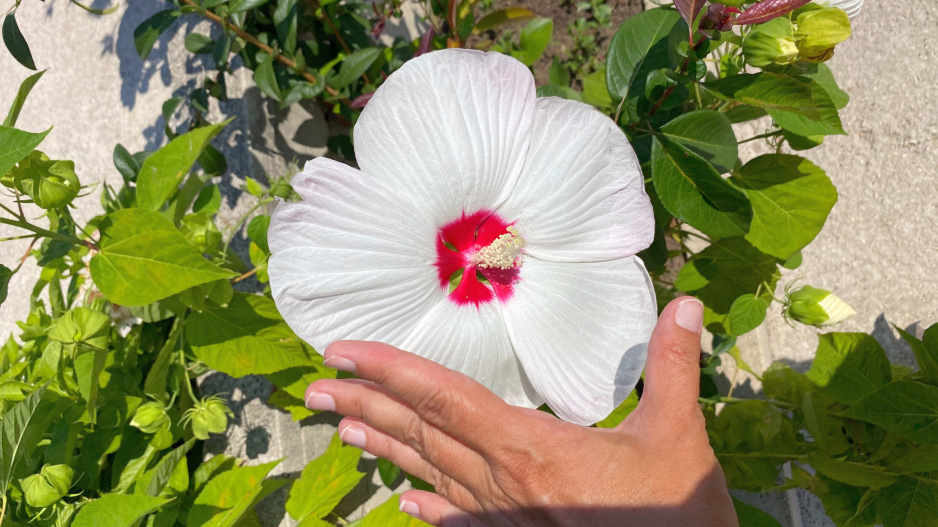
(534, 207)
(852, 7)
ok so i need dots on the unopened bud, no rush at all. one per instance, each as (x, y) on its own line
(150, 418)
(51, 184)
(46, 488)
(816, 307)
(771, 43)
(819, 30)
(210, 416)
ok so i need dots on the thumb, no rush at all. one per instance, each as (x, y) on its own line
(672, 371)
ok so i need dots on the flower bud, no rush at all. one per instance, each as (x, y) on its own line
(44, 489)
(819, 30)
(150, 418)
(770, 43)
(720, 17)
(51, 184)
(200, 231)
(281, 188)
(816, 307)
(210, 416)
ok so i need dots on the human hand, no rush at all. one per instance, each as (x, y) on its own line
(495, 464)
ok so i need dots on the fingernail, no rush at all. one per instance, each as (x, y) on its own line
(409, 507)
(689, 315)
(320, 401)
(340, 363)
(353, 436)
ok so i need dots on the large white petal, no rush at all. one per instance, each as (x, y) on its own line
(581, 194)
(852, 7)
(581, 332)
(474, 342)
(450, 128)
(353, 260)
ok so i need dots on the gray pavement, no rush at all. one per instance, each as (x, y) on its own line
(875, 251)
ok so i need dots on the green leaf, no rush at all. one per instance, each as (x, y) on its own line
(25, 87)
(501, 16)
(15, 145)
(162, 172)
(708, 134)
(354, 66)
(388, 471)
(534, 39)
(257, 231)
(16, 43)
(144, 258)
(799, 105)
(621, 412)
(116, 510)
(156, 479)
(325, 481)
(848, 366)
(5, 275)
(753, 517)
(721, 273)
(238, 6)
(199, 43)
(909, 503)
(149, 30)
(746, 313)
(791, 198)
(925, 350)
(388, 514)
(594, 89)
(906, 408)
(227, 496)
(208, 201)
(855, 474)
(21, 429)
(247, 337)
(126, 164)
(639, 46)
(266, 79)
(825, 77)
(694, 192)
(155, 383)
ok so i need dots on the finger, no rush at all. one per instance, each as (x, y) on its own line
(357, 433)
(449, 400)
(672, 371)
(436, 510)
(387, 414)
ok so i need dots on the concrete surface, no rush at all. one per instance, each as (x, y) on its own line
(874, 251)
(97, 93)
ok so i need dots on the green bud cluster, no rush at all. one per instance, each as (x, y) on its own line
(48, 487)
(51, 184)
(816, 307)
(151, 418)
(810, 38)
(208, 416)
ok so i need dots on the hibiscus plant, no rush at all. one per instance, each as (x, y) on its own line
(556, 212)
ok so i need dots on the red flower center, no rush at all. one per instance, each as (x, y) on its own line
(478, 258)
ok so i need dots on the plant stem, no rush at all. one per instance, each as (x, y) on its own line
(335, 31)
(11, 211)
(26, 254)
(47, 233)
(244, 276)
(762, 136)
(237, 225)
(251, 39)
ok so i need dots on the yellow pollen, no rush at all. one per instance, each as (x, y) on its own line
(503, 252)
